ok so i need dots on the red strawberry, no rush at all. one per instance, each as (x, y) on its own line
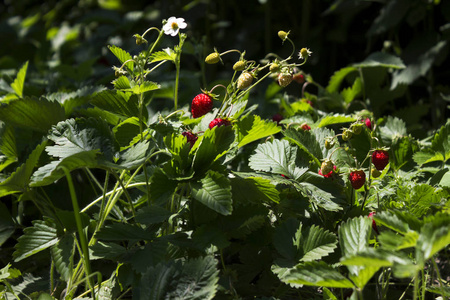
(357, 179)
(374, 224)
(380, 158)
(368, 123)
(277, 118)
(218, 122)
(201, 105)
(191, 138)
(305, 127)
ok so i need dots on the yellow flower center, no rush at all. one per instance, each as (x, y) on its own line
(174, 25)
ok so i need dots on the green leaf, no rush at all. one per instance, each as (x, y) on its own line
(19, 180)
(74, 136)
(125, 131)
(335, 119)
(306, 140)
(32, 113)
(192, 279)
(214, 191)
(395, 241)
(122, 83)
(52, 171)
(394, 128)
(354, 235)
(123, 56)
(252, 128)
(349, 94)
(35, 239)
(297, 244)
(441, 141)
(121, 231)
(122, 104)
(397, 221)
(136, 155)
(167, 54)
(19, 82)
(381, 59)
(161, 187)
(8, 144)
(102, 250)
(147, 86)
(7, 226)
(276, 157)
(337, 78)
(62, 255)
(422, 63)
(212, 145)
(254, 189)
(390, 16)
(152, 214)
(313, 274)
(434, 235)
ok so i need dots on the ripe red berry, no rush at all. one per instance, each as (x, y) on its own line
(201, 105)
(277, 118)
(380, 159)
(305, 127)
(374, 224)
(191, 138)
(357, 179)
(368, 123)
(218, 122)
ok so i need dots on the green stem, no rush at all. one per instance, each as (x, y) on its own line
(177, 80)
(81, 234)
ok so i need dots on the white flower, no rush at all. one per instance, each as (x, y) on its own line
(304, 53)
(173, 25)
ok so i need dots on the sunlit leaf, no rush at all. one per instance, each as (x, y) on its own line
(19, 82)
(123, 56)
(252, 128)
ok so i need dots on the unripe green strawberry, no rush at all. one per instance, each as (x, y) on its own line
(356, 128)
(346, 135)
(201, 105)
(375, 173)
(244, 80)
(274, 67)
(380, 159)
(284, 79)
(213, 58)
(239, 65)
(357, 179)
(329, 143)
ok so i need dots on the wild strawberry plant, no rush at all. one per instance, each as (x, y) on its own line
(213, 201)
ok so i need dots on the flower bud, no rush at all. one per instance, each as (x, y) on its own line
(283, 35)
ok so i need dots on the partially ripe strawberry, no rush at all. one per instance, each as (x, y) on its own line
(299, 78)
(305, 127)
(329, 174)
(374, 224)
(244, 80)
(201, 105)
(380, 159)
(284, 79)
(219, 122)
(191, 138)
(357, 179)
